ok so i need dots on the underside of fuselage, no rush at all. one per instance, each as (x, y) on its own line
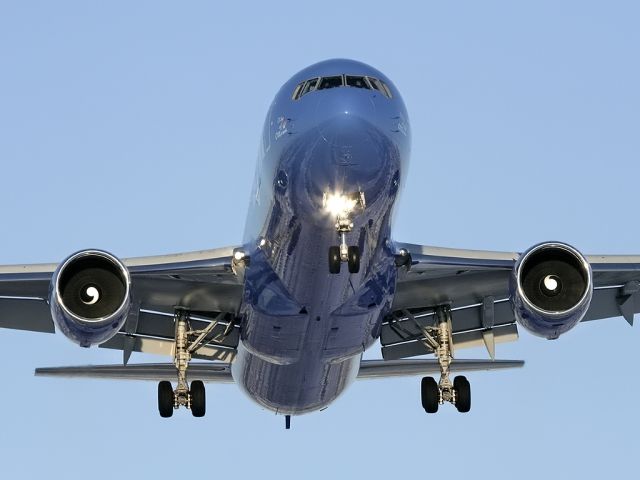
(303, 328)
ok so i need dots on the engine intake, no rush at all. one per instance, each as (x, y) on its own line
(90, 297)
(551, 289)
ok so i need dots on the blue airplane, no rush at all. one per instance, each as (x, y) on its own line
(318, 278)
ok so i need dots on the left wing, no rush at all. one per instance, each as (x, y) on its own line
(475, 284)
(203, 282)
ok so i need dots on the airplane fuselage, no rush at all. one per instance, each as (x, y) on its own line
(303, 329)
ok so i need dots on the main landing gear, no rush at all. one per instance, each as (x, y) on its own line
(342, 207)
(434, 393)
(192, 397)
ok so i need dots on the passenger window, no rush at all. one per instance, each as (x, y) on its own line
(357, 82)
(330, 82)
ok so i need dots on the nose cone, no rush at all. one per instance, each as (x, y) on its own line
(349, 153)
(345, 154)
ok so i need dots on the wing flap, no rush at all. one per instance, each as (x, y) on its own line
(162, 346)
(161, 324)
(461, 289)
(31, 314)
(613, 302)
(164, 293)
(408, 324)
(470, 339)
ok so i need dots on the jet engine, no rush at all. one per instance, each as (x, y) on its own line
(90, 297)
(551, 288)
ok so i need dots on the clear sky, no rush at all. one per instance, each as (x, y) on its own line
(134, 127)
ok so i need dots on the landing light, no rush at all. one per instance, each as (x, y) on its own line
(339, 205)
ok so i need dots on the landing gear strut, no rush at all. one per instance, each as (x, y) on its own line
(192, 397)
(342, 207)
(433, 394)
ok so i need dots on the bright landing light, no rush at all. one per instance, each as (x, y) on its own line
(339, 205)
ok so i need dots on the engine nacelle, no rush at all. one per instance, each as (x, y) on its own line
(90, 297)
(551, 289)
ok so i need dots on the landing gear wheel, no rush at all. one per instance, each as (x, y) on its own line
(334, 259)
(353, 256)
(198, 399)
(430, 394)
(165, 399)
(463, 394)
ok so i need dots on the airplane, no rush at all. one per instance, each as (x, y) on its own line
(318, 278)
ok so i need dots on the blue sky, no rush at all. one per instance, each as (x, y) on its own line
(134, 127)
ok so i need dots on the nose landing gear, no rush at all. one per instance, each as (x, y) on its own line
(344, 253)
(342, 206)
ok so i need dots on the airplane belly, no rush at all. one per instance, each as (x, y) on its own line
(301, 345)
(293, 389)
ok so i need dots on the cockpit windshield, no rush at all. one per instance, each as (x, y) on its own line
(330, 82)
(355, 81)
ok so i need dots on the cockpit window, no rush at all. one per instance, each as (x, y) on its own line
(355, 81)
(305, 87)
(358, 82)
(380, 86)
(387, 91)
(310, 86)
(375, 83)
(297, 92)
(330, 82)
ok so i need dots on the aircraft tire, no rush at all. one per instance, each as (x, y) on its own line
(165, 399)
(198, 399)
(430, 394)
(463, 394)
(354, 259)
(334, 260)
